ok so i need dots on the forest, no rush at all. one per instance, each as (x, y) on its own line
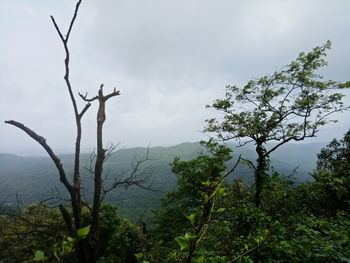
(223, 200)
(296, 222)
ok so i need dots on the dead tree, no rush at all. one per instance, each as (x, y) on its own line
(100, 158)
(73, 188)
(87, 249)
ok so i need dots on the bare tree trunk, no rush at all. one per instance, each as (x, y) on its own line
(98, 175)
(101, 154)
(87, 249)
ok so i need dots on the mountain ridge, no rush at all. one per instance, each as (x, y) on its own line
(36, 176)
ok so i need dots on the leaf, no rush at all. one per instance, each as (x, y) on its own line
(220, 192)
(206, 183)
(246, 247)
(139, 256)
(220, 210)
(191, 218)
(39, 256)
(70, 239)
(201, 259)
(182, 242)
(83, 232)
(189, 236)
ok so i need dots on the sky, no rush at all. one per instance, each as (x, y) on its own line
(169, 59)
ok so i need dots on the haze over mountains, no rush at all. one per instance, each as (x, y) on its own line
(35, 177)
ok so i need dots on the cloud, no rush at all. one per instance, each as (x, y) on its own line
(168, 58)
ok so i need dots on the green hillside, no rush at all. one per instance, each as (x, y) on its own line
(35, 178)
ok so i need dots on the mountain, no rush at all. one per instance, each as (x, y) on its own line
(35, 178)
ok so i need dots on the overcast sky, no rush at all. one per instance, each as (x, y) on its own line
(168, 58)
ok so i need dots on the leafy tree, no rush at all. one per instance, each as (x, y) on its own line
(190, 208)
(288, 105)
(120, 240)
(333, 172)
(278, 197)
(309, 238)
(287, 228)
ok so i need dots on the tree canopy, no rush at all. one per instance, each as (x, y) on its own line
(289, 105)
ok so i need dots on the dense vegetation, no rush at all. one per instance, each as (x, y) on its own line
(207, 218)
(308, 222)
(305, 222)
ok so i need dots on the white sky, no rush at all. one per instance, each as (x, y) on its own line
(168, 58)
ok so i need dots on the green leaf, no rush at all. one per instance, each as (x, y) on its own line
(83, 232)
(139, 256)
(206, 183)
(220, 192)
(221, 210)
(189, 236)
(201, 259)
(191, 218)
(39, 256)
(182, 242)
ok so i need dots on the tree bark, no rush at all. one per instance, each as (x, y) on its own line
(100, 158)
(260, 172)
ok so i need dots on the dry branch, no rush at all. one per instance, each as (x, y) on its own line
(42, 141)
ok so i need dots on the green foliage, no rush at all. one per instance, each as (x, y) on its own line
(184, 241)
(64, 249)
(109, 224)
(333, 172)
(27, 173)
(126, 242)
(307, 238)
(290, 104)
(292, 225)
(83, 232)
(190, 208)
(204, 219)
(288, 227)
(39, 256)
(35, 229)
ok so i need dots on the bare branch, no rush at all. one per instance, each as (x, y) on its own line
(73, 19)
(87, 106)
(233, 168)
(84, 97)
(112, 94)
(57, 29)
(135, 177)
(4, 201)
(111, 150)
(249, 163)
(42, 141)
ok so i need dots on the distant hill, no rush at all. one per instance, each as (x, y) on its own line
(36, 178)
